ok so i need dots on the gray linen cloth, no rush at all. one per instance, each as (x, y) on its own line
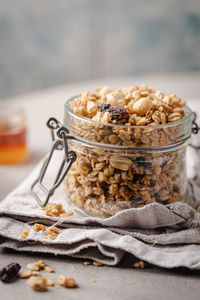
(165, 236)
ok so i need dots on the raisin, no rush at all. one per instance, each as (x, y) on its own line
(9, 272)
(104, 107)
(116, 112)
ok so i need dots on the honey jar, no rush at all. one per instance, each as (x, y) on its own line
(13, 147)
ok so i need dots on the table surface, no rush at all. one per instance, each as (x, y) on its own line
(121, 282)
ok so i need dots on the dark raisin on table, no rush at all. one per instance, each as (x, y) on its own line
(9, 272)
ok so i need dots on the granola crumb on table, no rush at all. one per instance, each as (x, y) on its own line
(48, 269)
(97, 264)
(103, 182)
(139, 265)
(28, 273)
(36, 266)
(66, 281)
(38, 283)
(87, 263)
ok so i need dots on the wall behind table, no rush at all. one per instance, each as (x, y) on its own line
(46, 43)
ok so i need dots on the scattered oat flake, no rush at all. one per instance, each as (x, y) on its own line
(24, 234)
(139, 265)
(67, 282)
(93, 280)
(97, 263)
(48, 269)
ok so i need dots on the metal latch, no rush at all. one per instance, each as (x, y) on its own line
(195, 130)
(60, 137)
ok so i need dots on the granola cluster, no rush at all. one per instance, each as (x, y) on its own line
(105, 180)
(40, 283)
(50, 233)
(127, 108)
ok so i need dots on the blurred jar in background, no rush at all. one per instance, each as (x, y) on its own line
(13, 147)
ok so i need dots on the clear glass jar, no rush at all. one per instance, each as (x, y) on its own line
(13, 144)
(120, 167)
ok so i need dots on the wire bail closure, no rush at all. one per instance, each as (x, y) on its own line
(60, 137)
(195, 130)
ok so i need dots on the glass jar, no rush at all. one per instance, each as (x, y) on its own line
(120, 167)
(13, 145)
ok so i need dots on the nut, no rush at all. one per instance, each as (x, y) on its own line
(142, 106)
(115, 98)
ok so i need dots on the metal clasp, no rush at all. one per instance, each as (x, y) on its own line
(195, 130)
(60, 142)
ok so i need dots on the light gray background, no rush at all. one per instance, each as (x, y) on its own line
(47, 43)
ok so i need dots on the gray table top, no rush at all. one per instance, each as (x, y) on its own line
(120, 282)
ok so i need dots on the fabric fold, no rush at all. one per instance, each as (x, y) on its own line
(165, 236)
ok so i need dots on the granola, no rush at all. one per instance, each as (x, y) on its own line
(28, 273)
(39, 227)
(48, 269)
(38, 283)
(52, 232)
(24, 234)
(105, 180)
(139, 265)
(53, 209)
(36, 266)
(67, 282)
(97, 264)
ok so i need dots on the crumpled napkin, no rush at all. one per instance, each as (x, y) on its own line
(165, 236)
